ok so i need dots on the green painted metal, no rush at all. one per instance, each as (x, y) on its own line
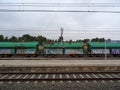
(64, 45)
(27, 44)
(97, 45)
(7, 44)
(18, 44)
(102, 45)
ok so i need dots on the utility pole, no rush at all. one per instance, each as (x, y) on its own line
(105, 51)
(61, 38)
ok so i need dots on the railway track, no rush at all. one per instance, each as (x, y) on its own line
(59, 58)
(70, 76)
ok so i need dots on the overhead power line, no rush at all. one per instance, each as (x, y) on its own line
(78, 30)
(63, 4)
(91, 7)
(84, 11)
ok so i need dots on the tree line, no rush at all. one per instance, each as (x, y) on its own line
(41, 39)
(24, 38)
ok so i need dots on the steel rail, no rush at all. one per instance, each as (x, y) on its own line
(109, 72)
(60, 79)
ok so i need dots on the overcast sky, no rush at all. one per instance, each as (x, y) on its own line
(76, 25)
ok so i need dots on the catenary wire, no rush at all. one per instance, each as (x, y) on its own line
(63, 4)
(82, 11)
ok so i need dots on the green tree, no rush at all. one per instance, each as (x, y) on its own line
(41, 39)
(60, 39)
(13, 39)
(86, 40)
(27, 38)
(95, 40)
(101, 39)
(6, 39)
(1, 38)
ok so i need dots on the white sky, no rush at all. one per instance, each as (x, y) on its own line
(76, 25)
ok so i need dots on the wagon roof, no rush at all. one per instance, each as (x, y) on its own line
(65, 45)
(18, 44)
(102, 45)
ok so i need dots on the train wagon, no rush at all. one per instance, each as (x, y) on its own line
(26, 48)
(7, 49)
(74, 49)
(98, 49)
(18, 48)
(53, 49)
(114, 48)
(63, 49)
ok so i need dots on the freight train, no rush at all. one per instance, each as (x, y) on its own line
(74, 49)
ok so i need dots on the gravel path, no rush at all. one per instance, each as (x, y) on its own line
(44, 63)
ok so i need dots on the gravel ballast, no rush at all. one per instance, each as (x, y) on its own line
(61, 86)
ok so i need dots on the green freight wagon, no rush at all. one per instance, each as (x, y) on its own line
(63, 48)
(102, 48)
(98, 49)
(7, 49)
(18, 48)
(74, 49)
(114, 48)
(26, 48)
(53, 49)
